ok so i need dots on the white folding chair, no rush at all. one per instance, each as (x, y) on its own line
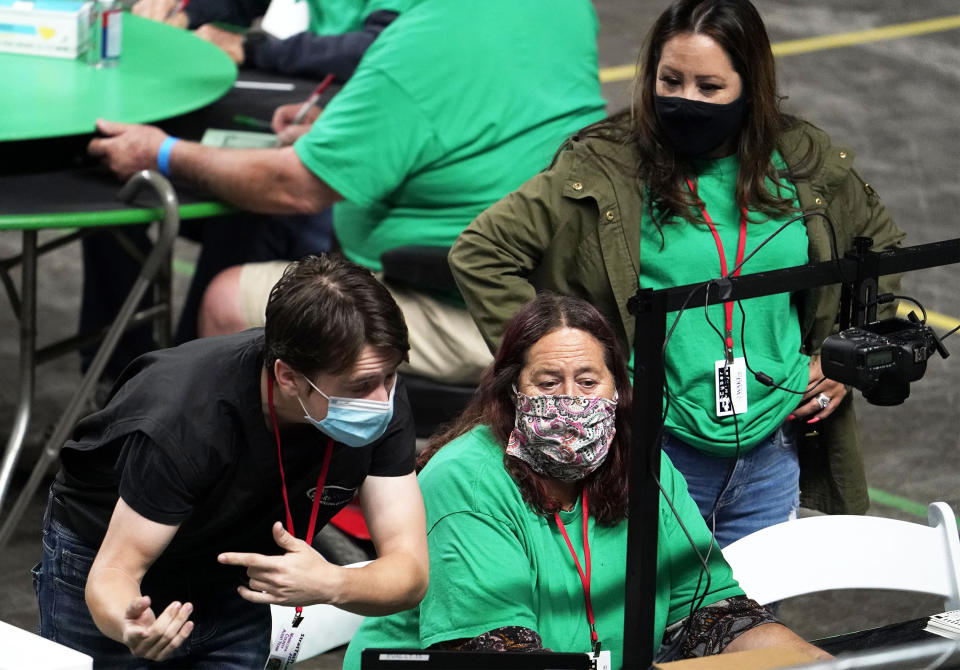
(326, 627)
(823, 553)
(23, 649)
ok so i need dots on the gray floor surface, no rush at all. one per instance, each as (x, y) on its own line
(894, 101)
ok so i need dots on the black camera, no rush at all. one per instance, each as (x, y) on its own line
(881, 358)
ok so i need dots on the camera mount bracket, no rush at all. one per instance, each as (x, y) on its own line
(858, 299)
(858, 272)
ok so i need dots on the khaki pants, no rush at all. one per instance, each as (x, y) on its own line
(445, 344)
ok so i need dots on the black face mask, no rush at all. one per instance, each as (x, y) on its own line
(696, 128)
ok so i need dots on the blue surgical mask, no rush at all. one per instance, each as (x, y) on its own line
(355, 422)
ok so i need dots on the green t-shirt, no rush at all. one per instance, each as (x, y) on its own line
(454, 106)
(494, 563)
(334, 17)
(689, 255)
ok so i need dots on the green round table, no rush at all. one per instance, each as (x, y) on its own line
(162, 72)
(52, 103)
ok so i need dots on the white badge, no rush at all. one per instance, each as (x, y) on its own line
(286, 647)
(601, 661)
(730, 384)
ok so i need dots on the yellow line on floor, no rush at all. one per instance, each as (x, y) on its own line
(618, 73)
(941, 322)
(824, 42)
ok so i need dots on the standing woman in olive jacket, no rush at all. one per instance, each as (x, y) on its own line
(702, 171)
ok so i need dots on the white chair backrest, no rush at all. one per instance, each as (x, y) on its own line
(23, 649)
(325, 626)
(823, 553)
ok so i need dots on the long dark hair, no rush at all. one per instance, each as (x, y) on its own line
(737, 27)
(493, 404)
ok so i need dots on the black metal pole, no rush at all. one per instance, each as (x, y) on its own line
(650, 309)
(641, 577)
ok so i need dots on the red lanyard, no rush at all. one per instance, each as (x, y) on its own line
(741, 246)
(321, 480)
(584, 576)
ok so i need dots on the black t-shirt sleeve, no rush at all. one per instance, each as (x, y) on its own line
(394, 454)
(151, 483)
(235, 12)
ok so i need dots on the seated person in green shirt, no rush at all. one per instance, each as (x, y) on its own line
(339, 32)
(455, 105)
(530, 480)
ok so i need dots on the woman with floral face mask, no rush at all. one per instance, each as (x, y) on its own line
(526, 499)
(696, 178)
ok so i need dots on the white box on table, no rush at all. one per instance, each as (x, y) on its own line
(59, 28)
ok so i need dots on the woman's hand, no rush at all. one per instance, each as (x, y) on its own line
(820, 390)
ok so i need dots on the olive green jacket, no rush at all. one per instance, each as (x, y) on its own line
(575, 229)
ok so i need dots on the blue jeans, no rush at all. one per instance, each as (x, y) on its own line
(237, 636)
(764, 487)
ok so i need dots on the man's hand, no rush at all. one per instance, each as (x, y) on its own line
(301, 576)
(160, 10)
(151, 637)
(127, 148)
(230, 42)
(810, 408)
(287, 131)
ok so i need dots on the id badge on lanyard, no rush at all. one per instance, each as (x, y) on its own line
(730, 386)
(601, 660)
(729, 373)
(285, 648)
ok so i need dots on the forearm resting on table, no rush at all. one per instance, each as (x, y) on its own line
(267, 181)
(733, 624)
(774, 635)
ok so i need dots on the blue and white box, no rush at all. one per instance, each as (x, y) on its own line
(59, 28)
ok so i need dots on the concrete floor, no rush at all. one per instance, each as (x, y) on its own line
(894, 101)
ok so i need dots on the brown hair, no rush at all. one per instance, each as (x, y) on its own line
(493, 404)
(322, 312)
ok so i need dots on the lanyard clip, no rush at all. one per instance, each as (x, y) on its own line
(728, 347)
(297, 619)
(594, 639)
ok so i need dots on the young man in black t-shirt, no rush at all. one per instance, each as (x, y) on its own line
(179, 508)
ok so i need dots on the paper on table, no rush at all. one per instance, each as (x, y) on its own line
(946, 624)
(238, 139)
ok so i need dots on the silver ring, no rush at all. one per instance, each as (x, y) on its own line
(823, 400)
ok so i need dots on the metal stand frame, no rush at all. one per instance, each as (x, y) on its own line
(155, 271)
(857, 272)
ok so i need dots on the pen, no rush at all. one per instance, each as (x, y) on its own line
(312, 100)
(179, 7)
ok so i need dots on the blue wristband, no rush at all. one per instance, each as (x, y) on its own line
(163, 156)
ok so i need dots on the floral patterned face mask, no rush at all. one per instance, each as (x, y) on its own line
(562, 436)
